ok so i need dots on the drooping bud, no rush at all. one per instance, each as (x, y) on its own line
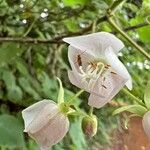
(89, 125)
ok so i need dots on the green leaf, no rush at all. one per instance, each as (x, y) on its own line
(60, 98)
(75, 2)
(8, 78)
(8, 52)
(77, 135)
(147, 95)
(136, 109)
(144, 33)
(25, 84)
(48, 86)
(11, 132)
(71, 25)
(15, 93)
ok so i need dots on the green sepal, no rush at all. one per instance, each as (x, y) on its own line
(60, 98)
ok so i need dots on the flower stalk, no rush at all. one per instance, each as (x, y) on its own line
(75, 96)
(139, 101)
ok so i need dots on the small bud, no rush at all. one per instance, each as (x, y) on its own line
(89, 125)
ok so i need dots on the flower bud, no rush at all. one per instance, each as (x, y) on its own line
(89, 125)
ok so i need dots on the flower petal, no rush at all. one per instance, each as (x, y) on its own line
(76, 80)
(96, 43)
(38, 114)
(146, 123)
(118, 66)
(73, 58)
(52, 132)
(113, 86)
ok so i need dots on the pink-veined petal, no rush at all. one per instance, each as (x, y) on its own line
(146, 123)
(38, 114)
(113, 86)
(76, 80)
(73, 58)
(118, 66)
(53, 132)
(96, 43)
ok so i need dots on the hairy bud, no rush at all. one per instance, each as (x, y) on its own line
(89, 125)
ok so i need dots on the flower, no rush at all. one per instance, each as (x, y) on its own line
(45, 123)
(146, 123)
(96, 67)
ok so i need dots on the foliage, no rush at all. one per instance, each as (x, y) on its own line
(32, 54)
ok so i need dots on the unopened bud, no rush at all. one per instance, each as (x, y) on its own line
(89, 125)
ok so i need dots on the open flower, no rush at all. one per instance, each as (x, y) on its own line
(46, 122)
(96, 67)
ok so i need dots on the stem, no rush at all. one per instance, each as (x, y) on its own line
(110, 20)
(115, 5)
(30, 28)
(133, 97)
(74, 97)
(91, 111)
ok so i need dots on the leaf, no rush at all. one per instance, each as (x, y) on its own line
(147, 95)
(22, 67)
(49, 87)
(71, 25)
(11, 132)
(15, 93)
(8, 52)
(75, 2)
(8, 78)
(25, 84)
(136, 109)
(144, 33)
(77, 135)
(60, 98)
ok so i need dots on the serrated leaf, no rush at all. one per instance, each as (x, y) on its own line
(147, 95)
(136, 109)
(11, 132)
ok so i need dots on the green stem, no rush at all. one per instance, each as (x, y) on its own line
(115, 5)
(91, 111)
(110, 20)
(30, 28)
(74, 97)
(139, 101)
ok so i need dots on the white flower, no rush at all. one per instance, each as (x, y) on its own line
(146, 123)
(96, 67)
(45, 123)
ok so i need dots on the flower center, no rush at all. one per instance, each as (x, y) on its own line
(93, 71)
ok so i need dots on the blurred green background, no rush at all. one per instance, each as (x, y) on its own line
(32, 54)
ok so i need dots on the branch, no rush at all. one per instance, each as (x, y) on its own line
(136, 26)
(59, 38)
(120, 31)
